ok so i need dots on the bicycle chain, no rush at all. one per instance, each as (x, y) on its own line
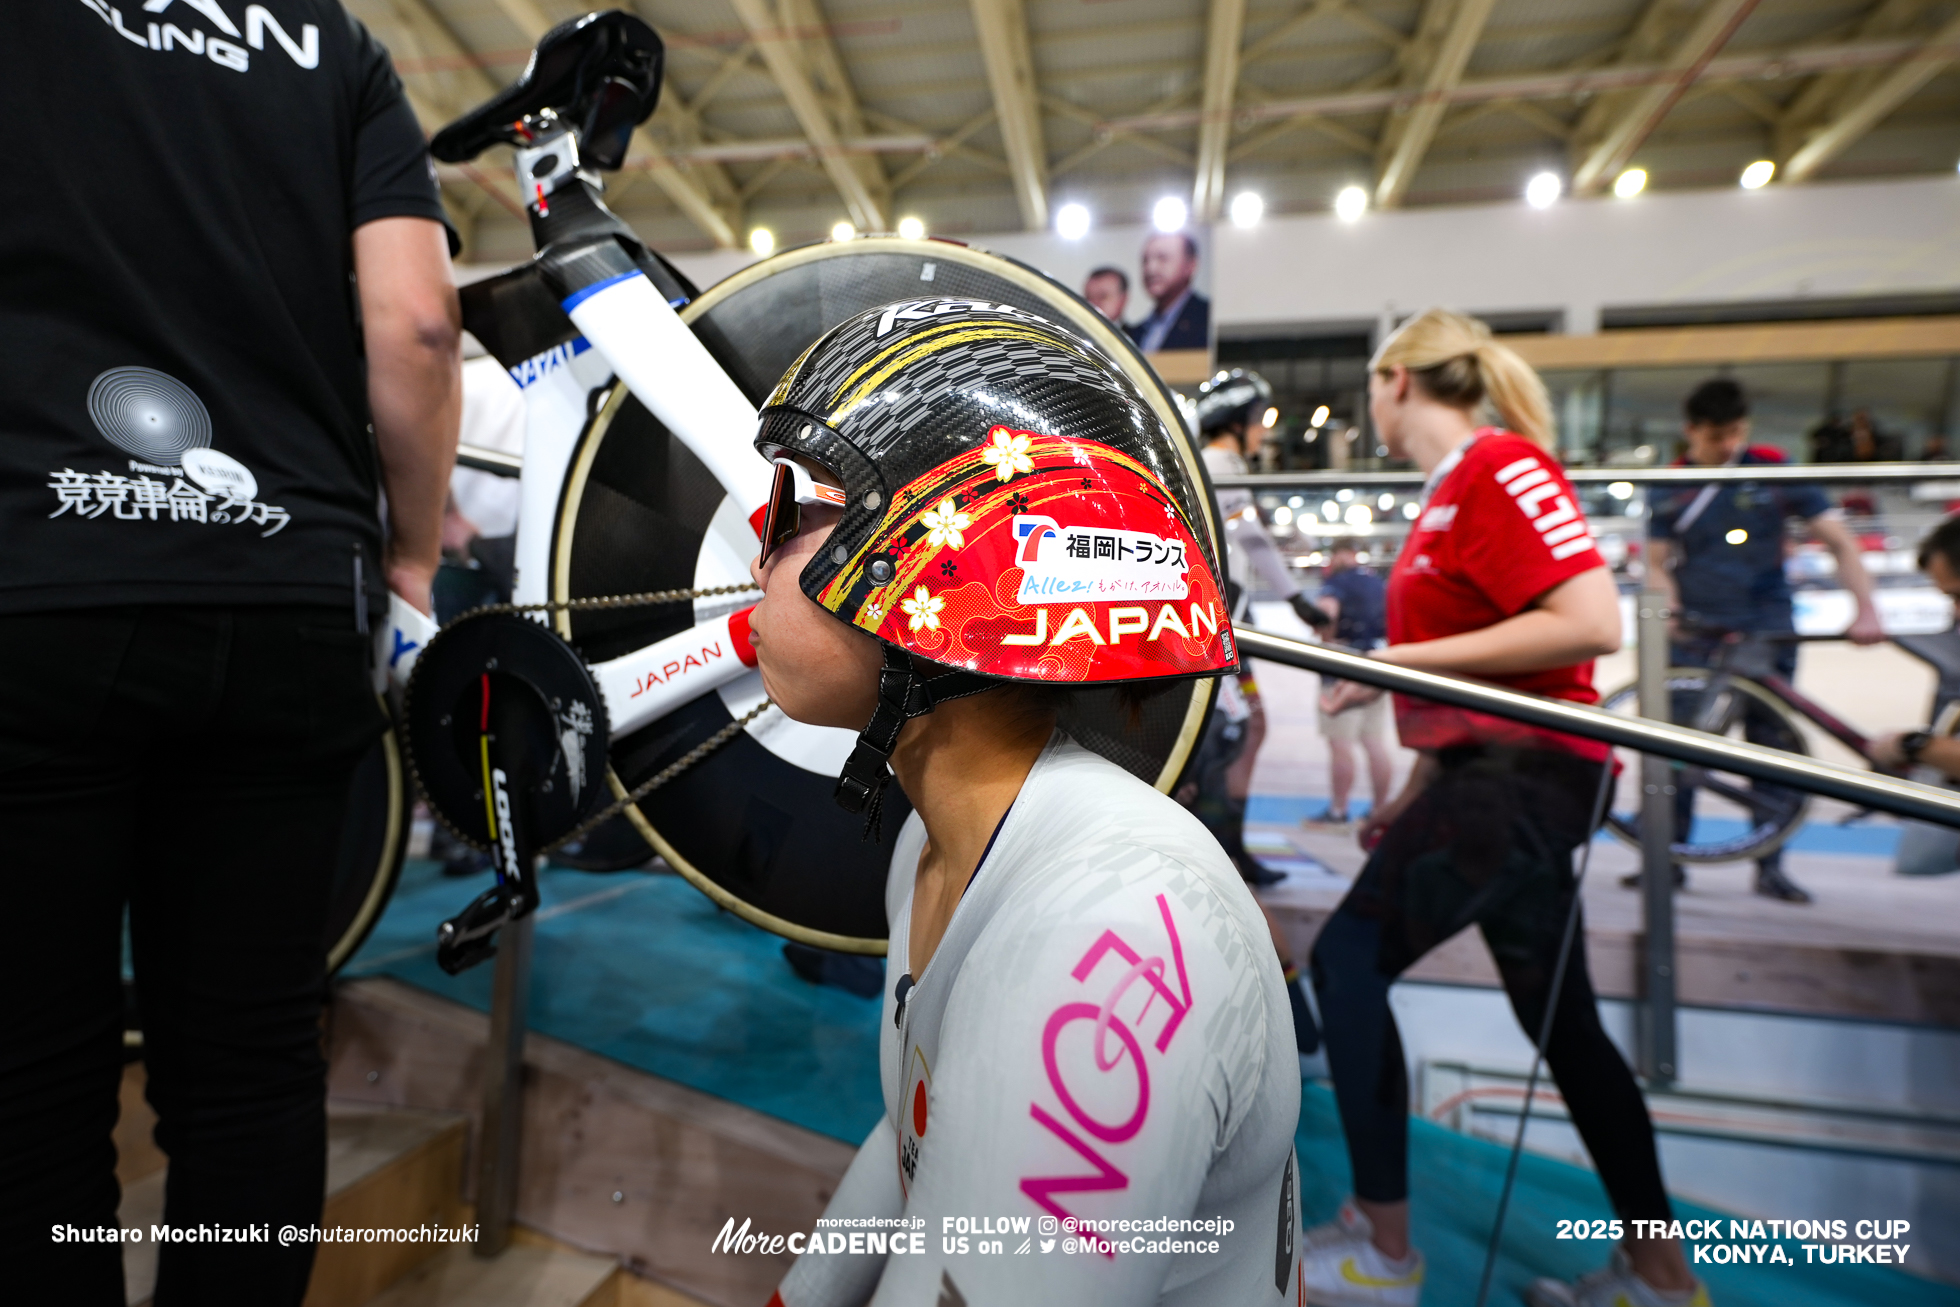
(641, 599)
(644, 598)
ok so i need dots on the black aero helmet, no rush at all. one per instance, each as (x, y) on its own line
(1232, 397)
(1013, 510)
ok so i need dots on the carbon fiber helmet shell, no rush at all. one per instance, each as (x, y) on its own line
(1231, 397)
(1013, 507)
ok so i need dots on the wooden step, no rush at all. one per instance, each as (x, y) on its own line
(615, 1160)
(523, 1276)
(386, 1168)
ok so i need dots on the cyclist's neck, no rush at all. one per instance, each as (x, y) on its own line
(962, 766)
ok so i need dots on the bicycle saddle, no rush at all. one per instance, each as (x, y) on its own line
(600, 74)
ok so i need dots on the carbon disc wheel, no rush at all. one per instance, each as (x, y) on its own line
(754, 825)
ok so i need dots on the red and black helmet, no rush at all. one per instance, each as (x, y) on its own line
(1013, 509)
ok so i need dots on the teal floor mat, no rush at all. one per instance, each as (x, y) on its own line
(1453, 1185)
(645, 970)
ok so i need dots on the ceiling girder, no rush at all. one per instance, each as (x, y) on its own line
(1642, 112)
(1451, 31)
(779, 46)
(1003, 29)
(1222, 40)
(1863, 111)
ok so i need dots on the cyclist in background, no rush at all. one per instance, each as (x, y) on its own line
(1234, 415)
(1718, 551)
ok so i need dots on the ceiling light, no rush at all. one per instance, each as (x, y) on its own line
(1630, 183)
(1320, 416)
(1282, 515)
(1411, 509)
(1270, 418)
(912, 229)
(1169, 214)
(1621, 490)
(1072, 222)
(1757, 175)
(1247, 209)
(1351, 203)
(1358, 515)
(1385, 502)
(843, 231)
(1542, 191)
(763, 242)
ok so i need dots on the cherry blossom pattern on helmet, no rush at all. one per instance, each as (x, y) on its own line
(1014, 510)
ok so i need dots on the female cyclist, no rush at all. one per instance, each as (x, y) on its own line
(976, 517)
(1498, 580)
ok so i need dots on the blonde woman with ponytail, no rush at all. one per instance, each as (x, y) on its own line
(1498, 580)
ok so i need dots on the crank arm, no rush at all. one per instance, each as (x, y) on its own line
(470, 936)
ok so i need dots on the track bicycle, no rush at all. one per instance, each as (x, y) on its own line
(1742, 694)
(622, 671)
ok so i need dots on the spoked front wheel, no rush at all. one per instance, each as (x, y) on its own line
(1729, 817)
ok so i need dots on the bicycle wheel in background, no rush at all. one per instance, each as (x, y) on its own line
(753, 825)
(1735, 819)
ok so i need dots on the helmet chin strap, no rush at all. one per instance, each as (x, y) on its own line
(902, 695)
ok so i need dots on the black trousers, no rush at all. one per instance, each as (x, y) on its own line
(1489, 841)
(190, 766)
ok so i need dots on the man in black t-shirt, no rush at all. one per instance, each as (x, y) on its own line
(227, 328)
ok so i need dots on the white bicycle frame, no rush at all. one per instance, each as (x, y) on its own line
(631, 333)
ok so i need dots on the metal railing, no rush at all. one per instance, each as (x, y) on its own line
(1865, 789)
(498, 463)
(1656, 1033)
(1639, 476)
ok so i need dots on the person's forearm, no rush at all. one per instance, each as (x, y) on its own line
(411, 322)
(1942, 753)
(1851, 573)
(415, 394)
(1529, 642)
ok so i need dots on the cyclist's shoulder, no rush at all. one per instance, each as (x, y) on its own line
(1758, 455)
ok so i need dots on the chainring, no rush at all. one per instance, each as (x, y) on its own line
(754, 826)
(544, 707)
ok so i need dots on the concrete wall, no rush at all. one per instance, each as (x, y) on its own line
(1571, 259)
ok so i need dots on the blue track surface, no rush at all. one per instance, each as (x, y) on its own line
(644, 970)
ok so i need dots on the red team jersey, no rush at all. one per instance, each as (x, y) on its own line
(1498, 530)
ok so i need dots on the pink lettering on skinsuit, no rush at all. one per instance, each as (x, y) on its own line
(1153, 972)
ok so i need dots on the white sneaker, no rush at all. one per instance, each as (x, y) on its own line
(1341, 1267)
(1614, 1285)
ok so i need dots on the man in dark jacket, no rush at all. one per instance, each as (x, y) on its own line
(1182, 317)
(227, 326)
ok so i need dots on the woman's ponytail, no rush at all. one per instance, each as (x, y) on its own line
(1458, 362)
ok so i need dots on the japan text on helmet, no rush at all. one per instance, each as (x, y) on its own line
(1013, 511)
(1232, 397)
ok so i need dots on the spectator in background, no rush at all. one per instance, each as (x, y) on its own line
(1109, 290)
(1355, 597)
(1717, 549)
(1182, 317)
(1926, 849)
(1856, 440)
